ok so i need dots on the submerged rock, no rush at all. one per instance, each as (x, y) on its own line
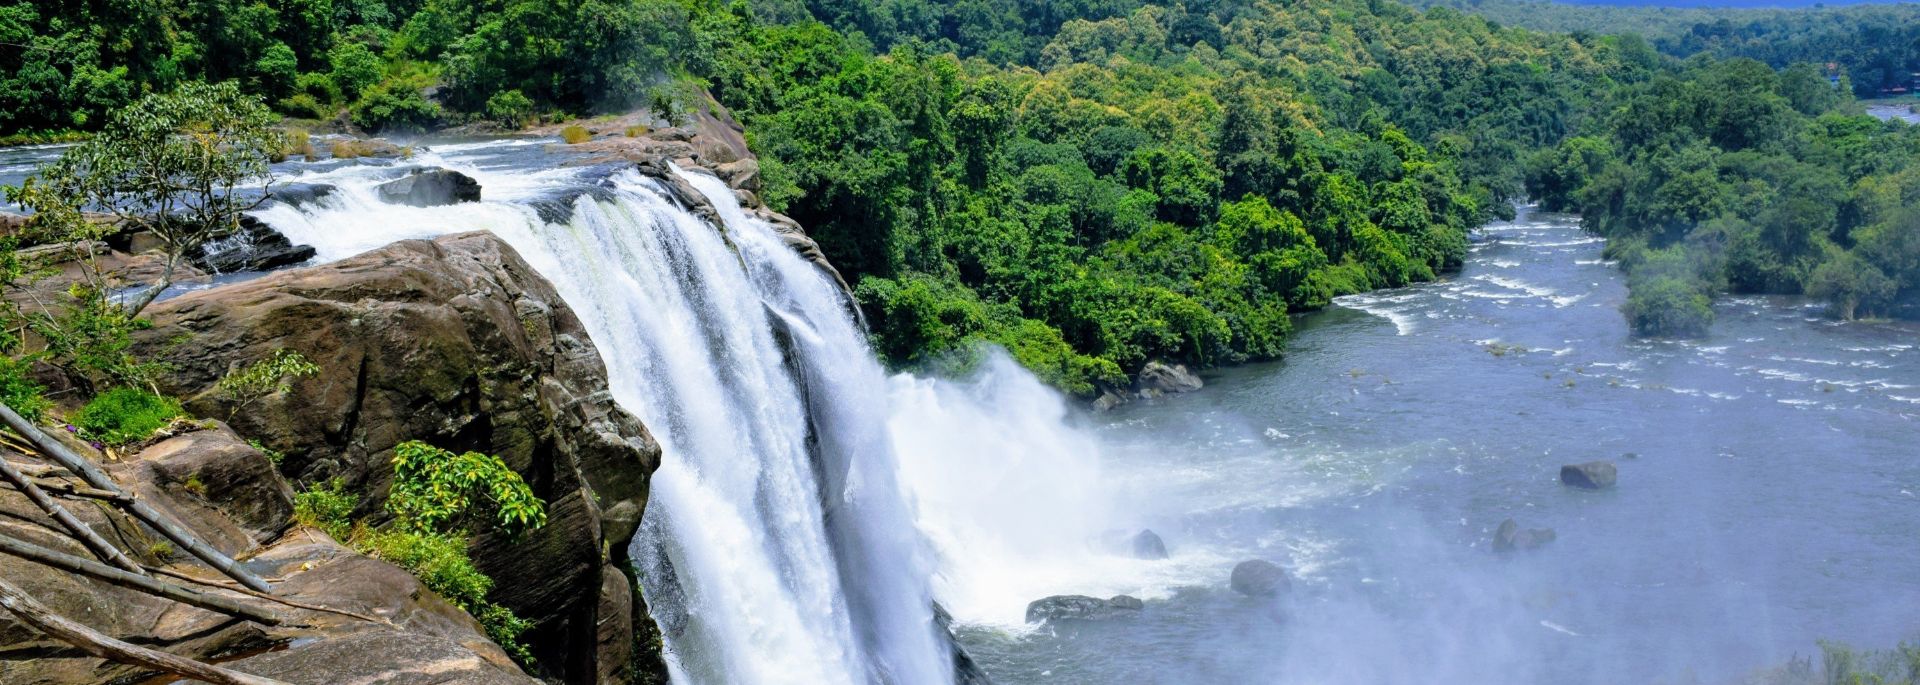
(1082, 608)
(1593, 475)
(1159, 378)
(430, 188)
(1147, 545)
(1511, 537)
(1259, 578)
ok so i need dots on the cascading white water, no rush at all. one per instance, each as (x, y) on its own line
(777, 546)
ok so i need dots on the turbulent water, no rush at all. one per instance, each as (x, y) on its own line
(1767, 496)
(810, 509)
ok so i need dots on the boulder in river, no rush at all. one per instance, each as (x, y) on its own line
(1593, 475)
(1259, 578)
(430, 188)
(298, 194)
(1082, 608)
(1160, 377)
(1147, 545)
(255, 247)
(1511, 537)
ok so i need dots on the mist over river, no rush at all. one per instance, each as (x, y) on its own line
(1767, 495)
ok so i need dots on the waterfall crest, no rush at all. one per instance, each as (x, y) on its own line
(778, 546)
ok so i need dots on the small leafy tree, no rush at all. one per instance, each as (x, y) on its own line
(267, 377)
(434, 488)
(171, 164)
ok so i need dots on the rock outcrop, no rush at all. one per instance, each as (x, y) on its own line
(457, 342)
(1258, 578)
(1082, 608)
(427, 187)
(1593, 475)
(229, 494)
(1158, 378)
(1510, 537)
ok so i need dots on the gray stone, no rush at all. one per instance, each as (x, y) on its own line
(1147, 545)
(1593, 475)
(1511, 537)
(1259, 578)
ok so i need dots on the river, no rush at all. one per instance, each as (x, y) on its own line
(1767, 494)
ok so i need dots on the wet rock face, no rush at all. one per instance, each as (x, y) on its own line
(1593, 475)
(1082, 608)
(1258, 578)
(255, 247)
(459, 343)
(430, 188)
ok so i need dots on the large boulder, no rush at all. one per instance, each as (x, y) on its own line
(1082, 608)
(1510, 537)
(1258, 578)
(1593, 475)
(1160, 378)
(460, 343)
(430, 188)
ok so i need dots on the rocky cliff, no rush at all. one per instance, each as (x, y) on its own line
(457, 342)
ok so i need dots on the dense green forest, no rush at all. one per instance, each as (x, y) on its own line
(1097, 183)
(1877, 47)
(1727, 175)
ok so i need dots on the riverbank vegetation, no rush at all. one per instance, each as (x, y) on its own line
(1729, 176)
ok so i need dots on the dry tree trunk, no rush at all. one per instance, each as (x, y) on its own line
(94, 642)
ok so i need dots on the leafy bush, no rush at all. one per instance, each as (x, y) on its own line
(20, 393)
(441, 563)
(1668, 307)
(395, 105)
(304, 106)
(433, 489)
(264, 378)
(326, 506)
(575, 134)
(510, 108)
(125, 415)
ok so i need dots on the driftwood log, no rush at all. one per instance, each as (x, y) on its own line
(92, 474)
(114, 576)
(67, 630)
(79, 529)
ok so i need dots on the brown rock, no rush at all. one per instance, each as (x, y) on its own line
(457, 342)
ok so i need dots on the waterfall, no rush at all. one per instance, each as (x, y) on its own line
(778, 546)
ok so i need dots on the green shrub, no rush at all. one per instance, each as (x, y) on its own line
(125, 415)
(264, 378)
(441, 563)
(395, 105)
(434, 489)
(304, 106)
(510, 108)
(575, 134)
(20, 393)
(326, 506)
